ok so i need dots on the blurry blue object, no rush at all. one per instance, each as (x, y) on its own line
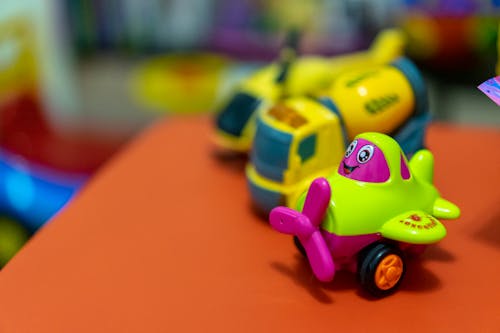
(491, 88)
(32, 195)
(411, 135)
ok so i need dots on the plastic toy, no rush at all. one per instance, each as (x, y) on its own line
(12, 237)
(450, 36)
(301, 138)
(368, 213)
(168, 83)
(491, 88)
(31, 194)
(235, 122)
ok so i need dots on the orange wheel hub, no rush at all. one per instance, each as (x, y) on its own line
(389, 271)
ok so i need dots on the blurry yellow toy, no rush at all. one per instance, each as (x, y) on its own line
(179, 83)
(293, 77)
(303, 138)
(12, 237)
(17, 62)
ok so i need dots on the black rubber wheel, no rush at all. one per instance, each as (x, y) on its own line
(381, 268)
(299, 246)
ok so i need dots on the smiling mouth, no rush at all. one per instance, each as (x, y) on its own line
(348, 169)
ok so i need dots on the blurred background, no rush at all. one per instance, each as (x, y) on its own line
(80, 78)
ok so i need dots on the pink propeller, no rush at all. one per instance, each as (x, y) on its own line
(305, 226)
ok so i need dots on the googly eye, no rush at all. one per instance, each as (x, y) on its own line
(365, 154)
(351, 148)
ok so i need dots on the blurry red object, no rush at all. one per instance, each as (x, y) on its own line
(25, 131)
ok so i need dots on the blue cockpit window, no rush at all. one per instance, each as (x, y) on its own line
(270, 151)
(307, 147)
(235, 115)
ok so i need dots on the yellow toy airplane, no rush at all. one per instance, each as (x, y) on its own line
(235, 122)
(302, 138)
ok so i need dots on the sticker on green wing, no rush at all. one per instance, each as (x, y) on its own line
(415, 227)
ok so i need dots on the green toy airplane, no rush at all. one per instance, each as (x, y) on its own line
(365, 215)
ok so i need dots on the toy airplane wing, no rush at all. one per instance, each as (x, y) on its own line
(491, 88)
(444, 209)
(414, 227)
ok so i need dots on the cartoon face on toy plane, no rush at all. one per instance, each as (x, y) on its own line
(366, 161)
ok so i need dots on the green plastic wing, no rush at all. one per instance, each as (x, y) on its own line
(414, 227)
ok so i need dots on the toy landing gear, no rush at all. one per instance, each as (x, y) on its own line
(381, 268)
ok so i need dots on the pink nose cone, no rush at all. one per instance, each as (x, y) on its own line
(365, 162)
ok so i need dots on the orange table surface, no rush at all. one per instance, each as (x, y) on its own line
(163, 240)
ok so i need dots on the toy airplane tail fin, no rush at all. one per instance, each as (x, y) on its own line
(388, 45)
(422, 165)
